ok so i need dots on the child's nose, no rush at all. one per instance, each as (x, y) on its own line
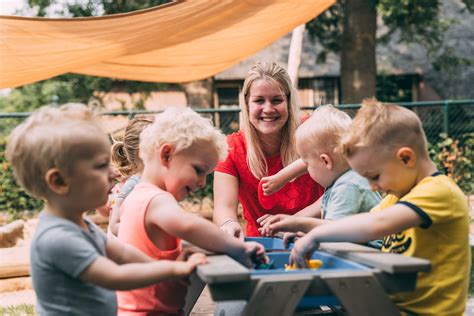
(113, 174)
(202, 182)
(374, 187)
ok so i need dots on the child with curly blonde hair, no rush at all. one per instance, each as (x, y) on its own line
(178, 151)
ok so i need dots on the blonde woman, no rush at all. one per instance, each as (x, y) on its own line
(264, 145)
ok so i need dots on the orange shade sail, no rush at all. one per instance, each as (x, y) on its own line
(178, 42)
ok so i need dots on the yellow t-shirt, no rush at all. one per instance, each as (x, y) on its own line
(443, 238)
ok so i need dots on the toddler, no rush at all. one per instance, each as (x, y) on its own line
(346, 193)
(61, 155)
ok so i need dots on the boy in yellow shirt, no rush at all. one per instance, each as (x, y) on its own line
(424, 213)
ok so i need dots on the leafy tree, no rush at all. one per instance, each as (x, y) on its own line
(349, 28)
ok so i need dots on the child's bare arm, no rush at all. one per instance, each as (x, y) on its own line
(106, 273)
(292, 224)
(272, 184)
(166, 213)
(122, 253)
(312, 210)
(114, 221)
(357, 228)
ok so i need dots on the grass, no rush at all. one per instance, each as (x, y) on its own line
(18, 310)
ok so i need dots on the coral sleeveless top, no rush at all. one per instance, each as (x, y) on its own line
(163, 298)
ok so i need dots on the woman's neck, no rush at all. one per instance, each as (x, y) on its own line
(271, 144)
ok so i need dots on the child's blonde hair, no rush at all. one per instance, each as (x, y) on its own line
(125, 152)
(181, 127)
(324, 130)
(48, 139)
(271, 72)
(384, 126)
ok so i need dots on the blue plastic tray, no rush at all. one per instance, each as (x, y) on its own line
(270, 244)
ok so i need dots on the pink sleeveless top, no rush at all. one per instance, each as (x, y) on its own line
(163, 298)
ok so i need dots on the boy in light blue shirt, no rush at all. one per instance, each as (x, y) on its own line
(347, 192)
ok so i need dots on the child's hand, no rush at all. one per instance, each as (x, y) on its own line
(232, 227)
(254, 253)
(291, 237)
(268, 219)
(186, 253)
(286, 223)
(302, 251)
(196, 259)
(104, 210)
(191, 263)
(271, 184)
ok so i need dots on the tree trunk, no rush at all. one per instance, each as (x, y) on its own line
(199, 94)
(294, 55)
(358, 65)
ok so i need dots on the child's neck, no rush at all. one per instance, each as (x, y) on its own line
(153, 177)
(425, 168)
(59, 210)
(338, 170)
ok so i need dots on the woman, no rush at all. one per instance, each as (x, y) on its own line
(264, 145)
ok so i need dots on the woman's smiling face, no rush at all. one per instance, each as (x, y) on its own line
(268, 107)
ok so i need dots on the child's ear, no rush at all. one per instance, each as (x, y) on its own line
(407, 156)
(165, 153)
(56, 182)
(327, 160)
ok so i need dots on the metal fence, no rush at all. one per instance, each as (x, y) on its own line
(454, 118)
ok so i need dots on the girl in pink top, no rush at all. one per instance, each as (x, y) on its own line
(178, 150)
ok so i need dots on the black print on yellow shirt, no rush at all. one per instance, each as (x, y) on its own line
(397, 243)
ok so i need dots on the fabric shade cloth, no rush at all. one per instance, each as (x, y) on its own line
(177, 42)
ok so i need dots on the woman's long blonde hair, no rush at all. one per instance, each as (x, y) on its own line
(271, 72)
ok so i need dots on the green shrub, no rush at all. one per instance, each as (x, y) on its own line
(13, 199)
(455, 158)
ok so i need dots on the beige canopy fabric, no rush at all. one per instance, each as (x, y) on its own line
(178, 42)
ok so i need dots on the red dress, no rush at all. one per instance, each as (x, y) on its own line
(293, 197)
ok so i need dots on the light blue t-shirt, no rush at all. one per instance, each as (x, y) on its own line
(348, 195)
(60, 252)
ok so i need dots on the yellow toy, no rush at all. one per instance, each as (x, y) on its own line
(312, 264)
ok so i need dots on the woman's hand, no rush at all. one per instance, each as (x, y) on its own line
(232, 227)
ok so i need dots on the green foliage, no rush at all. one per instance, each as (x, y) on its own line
(415, 21)
(18, 310)
(207, 191)
(455, 157)
(392, 88)
(93, 7)
(73, 88)
(13, 199)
